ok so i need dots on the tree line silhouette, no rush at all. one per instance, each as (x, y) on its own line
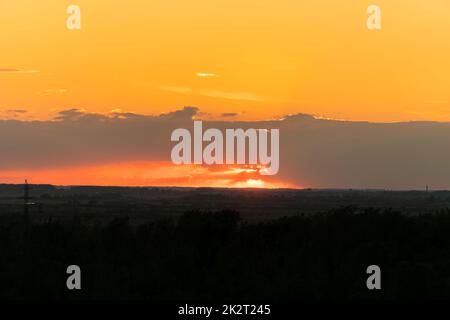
(217, 255)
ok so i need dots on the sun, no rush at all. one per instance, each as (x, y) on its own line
(253, 183)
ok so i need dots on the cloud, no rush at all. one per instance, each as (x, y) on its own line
(118, 113)
(187, 113)
(16, 71)
(206, 75)
(316, 153)
(70, 114)
(8, 70)
(20, 111)
(229, 114)
(15, 113)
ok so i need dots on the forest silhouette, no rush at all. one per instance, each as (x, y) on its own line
(218, 255)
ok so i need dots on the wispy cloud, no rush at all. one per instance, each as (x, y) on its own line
(21, 111)
(206, 75)
(16, 71)
(15, 113)
(229, 114)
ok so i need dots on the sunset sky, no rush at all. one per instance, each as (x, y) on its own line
(234, 60)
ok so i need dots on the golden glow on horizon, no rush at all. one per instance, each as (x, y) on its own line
(147, 174)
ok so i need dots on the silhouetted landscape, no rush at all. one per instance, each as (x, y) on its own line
(97, 205)
(175, 243)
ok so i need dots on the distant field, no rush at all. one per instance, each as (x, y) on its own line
(141, 205)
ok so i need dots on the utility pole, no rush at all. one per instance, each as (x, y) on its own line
(26, 198)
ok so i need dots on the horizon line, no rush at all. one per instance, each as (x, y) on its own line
(228, 188)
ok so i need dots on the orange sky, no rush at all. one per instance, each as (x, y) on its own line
(269, 57)
(259, 59)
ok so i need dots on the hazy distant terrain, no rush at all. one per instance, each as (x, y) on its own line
(98, 204)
